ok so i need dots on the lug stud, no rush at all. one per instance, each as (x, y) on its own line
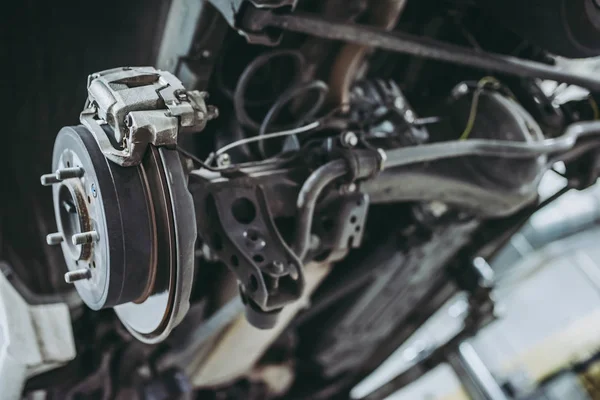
(67, 173)
(77, 275)
(84, 237)
(49, 179)
(54, 238)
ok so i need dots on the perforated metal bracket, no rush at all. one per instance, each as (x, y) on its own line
(341, 225)
(236, 222)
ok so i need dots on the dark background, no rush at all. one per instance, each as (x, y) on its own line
(49, 48)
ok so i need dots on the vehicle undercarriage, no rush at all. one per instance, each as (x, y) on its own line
(288, 193)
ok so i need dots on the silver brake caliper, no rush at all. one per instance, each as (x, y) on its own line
(142, 106)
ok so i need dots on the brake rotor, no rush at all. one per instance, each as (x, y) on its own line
(127, 233)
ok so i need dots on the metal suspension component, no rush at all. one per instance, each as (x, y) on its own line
(257, 20)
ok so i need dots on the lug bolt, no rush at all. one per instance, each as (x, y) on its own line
(67, 173)
(60, 175)
(49, 179)
(54, 238)
(350, 139)
(77, 275)
(85, 237)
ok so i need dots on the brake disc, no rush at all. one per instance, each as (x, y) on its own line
(124, 232)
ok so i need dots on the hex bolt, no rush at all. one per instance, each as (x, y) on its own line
(277, 267)
(77, 275)
(67, 173)
(85, 237)
(49, 179)
(54, 238)
(350, 139)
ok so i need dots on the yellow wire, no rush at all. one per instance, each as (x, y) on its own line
(594, 106)
(475, 104)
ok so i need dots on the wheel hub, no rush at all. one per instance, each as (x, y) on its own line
(118, 232)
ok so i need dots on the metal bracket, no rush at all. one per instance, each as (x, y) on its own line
(238, 225)
(346, 230)
(141, 106)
